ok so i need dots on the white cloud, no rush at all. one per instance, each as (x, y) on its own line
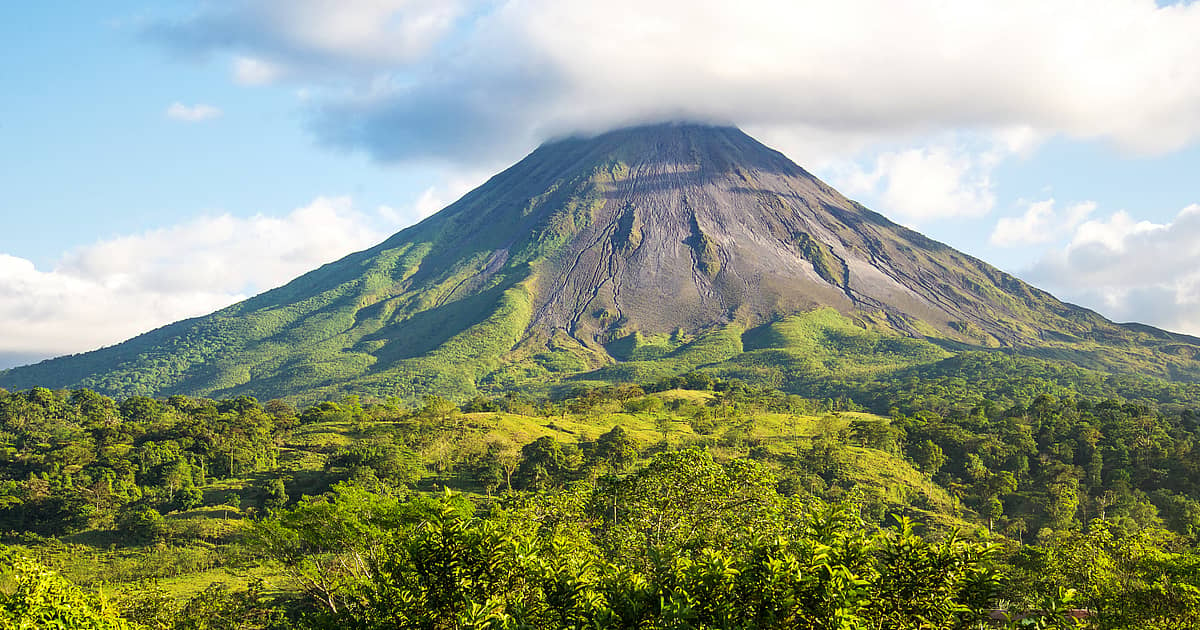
(226, 253)
(307, 36)
(114, 289)
(934, 182)
(1114, 233)
(943, 177)
(429, 203)
(1041, 223)
(434, 198)
(1131, 270)
(431, 78)
(251, 71)
(192, 113)
(1031, 227)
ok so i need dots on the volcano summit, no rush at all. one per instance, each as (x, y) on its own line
(634, 254)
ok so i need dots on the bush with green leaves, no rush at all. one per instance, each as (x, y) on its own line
(140, 523)
(390, 462)
(734, 555)
(34, 597)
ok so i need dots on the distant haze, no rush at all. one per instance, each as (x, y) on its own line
(14, 359)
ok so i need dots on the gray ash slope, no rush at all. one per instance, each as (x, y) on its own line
(557, 265)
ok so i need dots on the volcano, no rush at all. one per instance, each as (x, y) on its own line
(633, 254)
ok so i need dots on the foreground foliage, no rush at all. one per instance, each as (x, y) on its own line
(34, 597)
(432, 564)
(688, 502)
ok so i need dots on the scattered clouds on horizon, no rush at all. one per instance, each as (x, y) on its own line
(1130, 270)
(1040, 223)
(433, 199)
(114, 289)
(192, 113)
(939, 179)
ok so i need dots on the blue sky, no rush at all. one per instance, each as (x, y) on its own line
(92, 153)
(162, 160)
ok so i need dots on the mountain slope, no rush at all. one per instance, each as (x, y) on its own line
(644, 251)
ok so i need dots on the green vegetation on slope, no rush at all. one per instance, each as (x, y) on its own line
(631, 256)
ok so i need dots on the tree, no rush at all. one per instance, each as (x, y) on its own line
(1063, 501)
(506, 456)
(327, 546)
(928, 457)
(189, 497)
(284, 413)
(140, 523)
(683, 498)
(438, 408)
(395, 464)
(274, 495)
(616, 449)
(544, 463)
(920, 584)
(702, 421)
(644, 404)
(877, 434)
(994, 510)
(233, 500)
(1016, 528)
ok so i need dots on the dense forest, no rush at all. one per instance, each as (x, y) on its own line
(996, 492)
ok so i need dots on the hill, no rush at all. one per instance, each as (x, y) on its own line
(638, 253)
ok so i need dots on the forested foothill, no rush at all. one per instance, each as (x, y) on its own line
(991, 492)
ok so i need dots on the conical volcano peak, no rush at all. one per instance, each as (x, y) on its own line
(686, 244)
(705, 147)
(688, 226)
